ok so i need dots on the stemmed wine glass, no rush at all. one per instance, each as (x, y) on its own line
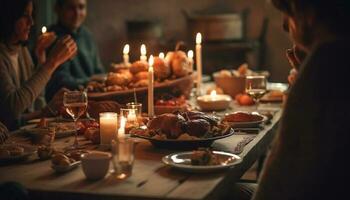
(75, 103)
(255, 86)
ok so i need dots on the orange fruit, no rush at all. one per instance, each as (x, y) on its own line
(245, 100)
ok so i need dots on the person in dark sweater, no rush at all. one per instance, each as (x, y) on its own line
(76, 72)
(309, 157)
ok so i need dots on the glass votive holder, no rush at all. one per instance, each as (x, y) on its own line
(131, 116)
(123, 152)
(137, 106)
(108, 127)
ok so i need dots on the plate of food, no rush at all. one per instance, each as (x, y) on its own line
(242, 119)
(64, 162)
(202, 160)
(183, 130)
(272, 96)
(16, 152)
(62, 129)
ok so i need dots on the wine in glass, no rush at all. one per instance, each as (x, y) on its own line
(255, 86)
(75, 103)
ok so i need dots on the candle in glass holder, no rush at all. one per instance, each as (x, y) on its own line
(143, 50)
(108, 127)
(123, 152)
(150, 88)
(126, 50)
(132, 116)
(199, 62)
(214, 101)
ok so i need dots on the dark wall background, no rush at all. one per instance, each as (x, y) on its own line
(107, 21)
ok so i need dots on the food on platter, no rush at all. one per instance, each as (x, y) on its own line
(162, 70)
(244, 99)
(45, 152)
(189, 125)
(66, 159)
(121, 77)
(11, 151)
(93, 134)
(242, 71)
(242, 117)
(204, 156)
(273, 96)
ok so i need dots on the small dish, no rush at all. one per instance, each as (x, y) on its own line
(26, 151)
(214, 102)
(247, 124)
(62, 169)
(182, 161)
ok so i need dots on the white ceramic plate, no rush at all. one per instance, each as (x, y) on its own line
(28, 151)
(182, 161)
(61, 169)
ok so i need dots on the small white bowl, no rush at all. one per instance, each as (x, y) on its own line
(95, 164)
(220, 102)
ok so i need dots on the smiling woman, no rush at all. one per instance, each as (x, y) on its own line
(21, 83)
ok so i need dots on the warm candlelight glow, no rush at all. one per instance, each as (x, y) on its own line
(198, 38)
(121, 130)
(151, 62)
(131, 115)
(161, 55)
(213, 94)
(190, 54)
(143, 56)
(126, 49)
(108, 127)
(43, 29)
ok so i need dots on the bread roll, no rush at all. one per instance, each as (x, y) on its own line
(138, 66)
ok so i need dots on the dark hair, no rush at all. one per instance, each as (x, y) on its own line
(10, 12)
(332, 13)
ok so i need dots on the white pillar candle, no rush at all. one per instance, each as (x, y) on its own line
(126, 50)
(150, 87)
(121, 130)
(199, 62)
(143, 50)
(123, 152)
(190, 58)
(108, 127)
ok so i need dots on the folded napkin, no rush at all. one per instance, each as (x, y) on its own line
(234, 144)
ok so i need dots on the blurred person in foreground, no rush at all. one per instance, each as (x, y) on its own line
(308, 159)
(22, 83)
(74, 74)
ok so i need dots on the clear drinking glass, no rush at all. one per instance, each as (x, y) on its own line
(123, 151)
(137, 106)
(131, 116)
(255, 86)
(75, 103)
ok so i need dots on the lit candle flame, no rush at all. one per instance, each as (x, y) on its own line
(161, 55)
(150, 63)
(213, 94)
(190, 54)
(143, 50)
(126, 49)
(43, 29)
(198, 38)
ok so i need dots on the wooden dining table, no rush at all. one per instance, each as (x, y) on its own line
(150, 179)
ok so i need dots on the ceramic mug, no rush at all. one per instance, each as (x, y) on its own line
(95, 164)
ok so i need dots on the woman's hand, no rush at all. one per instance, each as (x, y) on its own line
(44, 41)
(64, 49)
(295, 57)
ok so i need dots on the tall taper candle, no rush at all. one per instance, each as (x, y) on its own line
(143, 50)
(199, 62)
(150, 87)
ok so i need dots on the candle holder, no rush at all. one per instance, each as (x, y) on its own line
(130, 114)
(214, 102)
(108, 127)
